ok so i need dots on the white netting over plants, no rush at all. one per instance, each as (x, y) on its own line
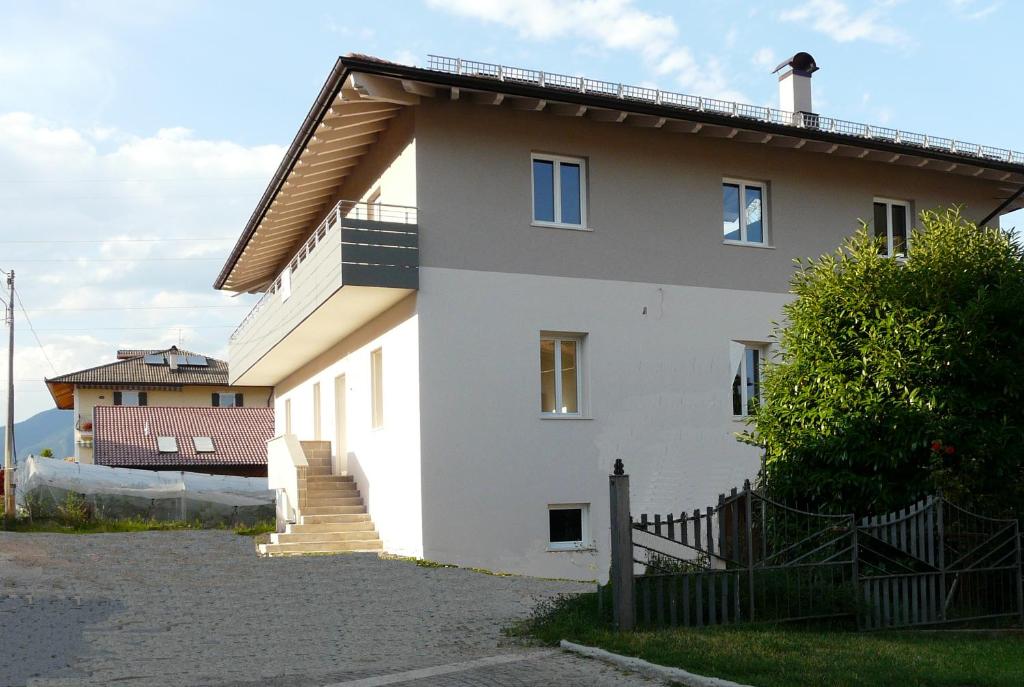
(45, 483)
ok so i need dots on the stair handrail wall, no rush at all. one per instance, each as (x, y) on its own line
(286, 474)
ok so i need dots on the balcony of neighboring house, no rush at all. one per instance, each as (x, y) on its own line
(362, 259)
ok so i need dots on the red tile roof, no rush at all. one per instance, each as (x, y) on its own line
(126, 436)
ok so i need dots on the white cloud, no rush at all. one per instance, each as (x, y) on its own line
(974, 10)
(765, 58)
(835, 19)
(613, 25)
(59, 184)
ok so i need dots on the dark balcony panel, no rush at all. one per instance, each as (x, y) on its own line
(383, 254)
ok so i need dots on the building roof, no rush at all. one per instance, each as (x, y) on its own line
(363, 93)
(136, 373)
(126, 436)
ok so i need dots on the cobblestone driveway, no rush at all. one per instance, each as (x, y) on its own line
(198, 608)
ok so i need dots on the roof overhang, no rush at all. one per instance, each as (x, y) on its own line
(63, 394)
(362, 94)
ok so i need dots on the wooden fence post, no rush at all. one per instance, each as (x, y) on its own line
(623, 608)
(941, 543)
(749, 527)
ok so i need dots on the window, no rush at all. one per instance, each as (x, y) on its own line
(743, 213)
(203, 444)
(746, 385)
(316, 411)
(166, 444)
(226, 400)
(560, 379)
(559, 185)
(377, 389)
(130, 398)
(892, 217)
(568, 526)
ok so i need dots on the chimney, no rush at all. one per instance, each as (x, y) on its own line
(795, 86)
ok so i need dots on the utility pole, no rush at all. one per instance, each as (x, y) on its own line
(9, 435)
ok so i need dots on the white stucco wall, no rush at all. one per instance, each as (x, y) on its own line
(658, 390)
(384, 461)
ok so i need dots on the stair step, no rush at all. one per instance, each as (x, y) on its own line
(333, 510)
(318, 471)
(305, 537)
(329, 479)
(314, 500)
(331, 487)
(322, 547)
(335, 518)
(306, 528)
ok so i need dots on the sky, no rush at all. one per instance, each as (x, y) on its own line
(136, 137)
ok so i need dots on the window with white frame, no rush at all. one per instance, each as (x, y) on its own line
(892, 222)
(743, 212)
(568, 526)
(220, 399)
(746, 384)
(377, 388)
(130, 398)
(561, 383)
(559, 191)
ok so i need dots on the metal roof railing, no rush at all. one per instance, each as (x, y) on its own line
(580, 84)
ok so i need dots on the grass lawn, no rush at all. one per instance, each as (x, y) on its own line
(97, 526)
(774, 656)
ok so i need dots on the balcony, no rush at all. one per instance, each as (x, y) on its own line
(361, 260)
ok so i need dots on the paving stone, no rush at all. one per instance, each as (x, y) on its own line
(199, 608)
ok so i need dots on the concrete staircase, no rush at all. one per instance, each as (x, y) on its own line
(332, 517)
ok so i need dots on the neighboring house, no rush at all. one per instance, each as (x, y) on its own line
(484, 284)
(165, 377)
(223, 441)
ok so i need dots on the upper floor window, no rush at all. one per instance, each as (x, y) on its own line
(130, 398)
(743, 216)
(892, 219)
(560, 379)
(377, 388)
(559, 191)
(746, 385)
(225, 400)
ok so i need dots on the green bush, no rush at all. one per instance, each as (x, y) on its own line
(897, 378)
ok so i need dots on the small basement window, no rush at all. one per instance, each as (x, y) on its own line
(167, 444)
(568, 526)
(203, 444)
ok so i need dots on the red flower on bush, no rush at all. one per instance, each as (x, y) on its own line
(936, 446)
(950, 450)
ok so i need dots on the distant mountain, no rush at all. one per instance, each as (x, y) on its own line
(50, 429)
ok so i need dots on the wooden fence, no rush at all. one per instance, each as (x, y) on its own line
(751, 559)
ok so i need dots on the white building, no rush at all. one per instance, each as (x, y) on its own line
(484, 284)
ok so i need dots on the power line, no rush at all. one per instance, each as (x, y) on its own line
(17, 295)
(151, 329)
(125, 240)
(120, 260)
(144, 307)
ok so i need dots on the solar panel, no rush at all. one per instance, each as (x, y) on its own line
(154, 359)
(167, 444)
(197, 360)
(203, 444)
(180, 359)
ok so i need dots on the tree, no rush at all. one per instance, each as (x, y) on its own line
(46, 453)
(896, 378)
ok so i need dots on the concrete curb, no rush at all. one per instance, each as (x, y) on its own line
(647, 668)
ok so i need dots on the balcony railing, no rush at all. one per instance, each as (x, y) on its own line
(377, 239)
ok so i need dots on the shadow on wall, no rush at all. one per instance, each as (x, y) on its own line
(355, 468)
